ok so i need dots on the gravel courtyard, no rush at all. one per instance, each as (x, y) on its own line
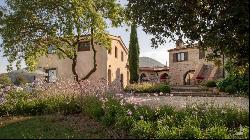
(181, 101)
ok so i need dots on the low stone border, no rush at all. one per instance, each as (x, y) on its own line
(221, 94)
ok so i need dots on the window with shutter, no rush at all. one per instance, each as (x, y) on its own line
(84, 46)
(201, 54)
(115, 52)
(122, 55)
(185, 56)
(174, 57)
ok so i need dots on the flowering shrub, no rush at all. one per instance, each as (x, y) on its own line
(142, 129)
(124, 122)
(194, 121)
(113, 109)
(93, 107)
(165, 132)
(217, 132)
(148, 87)
(190, 132)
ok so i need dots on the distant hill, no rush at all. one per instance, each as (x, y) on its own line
(149, 62)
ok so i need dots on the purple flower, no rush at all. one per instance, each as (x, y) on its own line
(129, 112)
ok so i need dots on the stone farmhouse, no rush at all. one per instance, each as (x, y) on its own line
(112, 64)
(187, 65)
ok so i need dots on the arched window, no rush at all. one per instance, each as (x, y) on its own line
(164, 77)
(143, 77)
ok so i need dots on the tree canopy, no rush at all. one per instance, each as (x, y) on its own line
(222, 25)
(30, 27)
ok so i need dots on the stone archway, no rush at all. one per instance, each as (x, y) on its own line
(188, 76)
(164, 77)
(143, 77)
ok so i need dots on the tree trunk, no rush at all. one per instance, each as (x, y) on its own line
(74, 59)
(94, 57)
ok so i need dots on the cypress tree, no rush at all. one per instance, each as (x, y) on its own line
(133, 55)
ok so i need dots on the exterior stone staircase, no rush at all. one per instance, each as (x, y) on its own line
(193, 91)
(203, 71)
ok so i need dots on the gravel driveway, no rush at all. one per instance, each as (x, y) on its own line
(181, 101)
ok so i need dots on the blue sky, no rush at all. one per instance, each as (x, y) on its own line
(160, 54)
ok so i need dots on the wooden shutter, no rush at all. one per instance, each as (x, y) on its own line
(174, 57)
(201, 54)
(185, 56)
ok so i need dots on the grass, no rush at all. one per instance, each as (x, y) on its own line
(53, 127)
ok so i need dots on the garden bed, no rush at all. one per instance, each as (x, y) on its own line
(133, 121)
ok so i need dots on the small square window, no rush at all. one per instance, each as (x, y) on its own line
(51, 75)
(51, 49)
(122, 55)
(84, 46)
(115, 52)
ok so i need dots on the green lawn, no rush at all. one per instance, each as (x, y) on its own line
(56, 126)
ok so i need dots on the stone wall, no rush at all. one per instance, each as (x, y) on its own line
(178, 70)
(85, 60)
(153, 76)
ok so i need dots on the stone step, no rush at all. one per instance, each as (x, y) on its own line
(190, 90)
(199, 94)
(204, 94)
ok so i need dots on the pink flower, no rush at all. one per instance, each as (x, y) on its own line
(129, 112)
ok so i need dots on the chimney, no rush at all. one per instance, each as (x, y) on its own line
(179, 43)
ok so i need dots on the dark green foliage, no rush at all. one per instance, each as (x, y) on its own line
(133, 56)
(165, 132)
(22, 103)
(190, 132)
(142, 129)
(113, 109)
(217, 132)
(93, 107)
(210, 83)
(148, 88)
(146, 112)
(234, 84)
(164, 111)
(225, 33)
(125, 122)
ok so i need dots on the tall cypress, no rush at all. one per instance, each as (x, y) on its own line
(133, 56)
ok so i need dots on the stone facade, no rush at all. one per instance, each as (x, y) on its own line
(111, 65)
(157, 74)
(188, 66)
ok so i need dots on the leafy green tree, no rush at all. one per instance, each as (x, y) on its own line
(133, 56)
(30, 27)
(222, 25)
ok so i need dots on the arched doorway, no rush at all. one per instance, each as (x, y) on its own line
(188, 76)
(164, 77)
(143, 77)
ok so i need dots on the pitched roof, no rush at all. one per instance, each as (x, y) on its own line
(149, 62)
